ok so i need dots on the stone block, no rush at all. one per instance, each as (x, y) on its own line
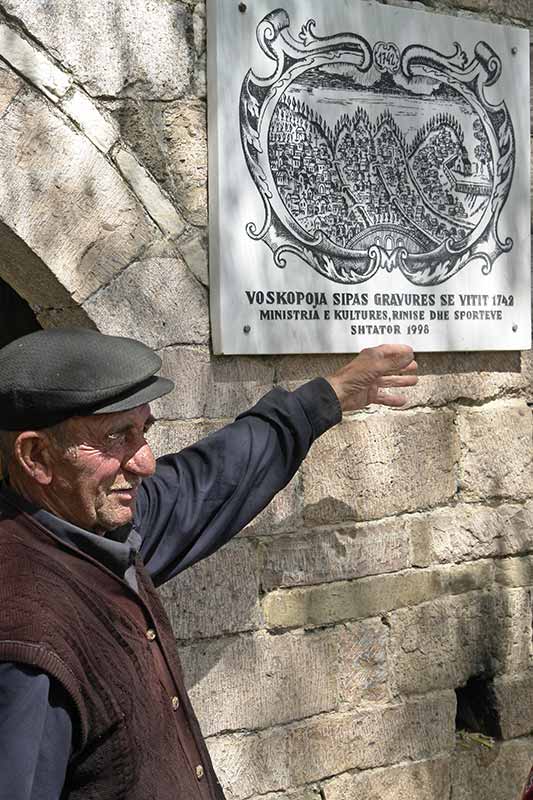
(211, 387)
(466, 532)
(149, 193)
(496, 457)
(441, 644)
(369, 597)
(36, 66)
(381, 464)
(134, 49)
(101, 130)
(10, 85)
(256, 681)
(218, 595)
(156, 300)
(331, 744)
(510, 9)
(513, 695)
(193, 250)
(170, 139)
(423, 780)
(67, 204)
(347, 552)
(515, 572)
(499, 772)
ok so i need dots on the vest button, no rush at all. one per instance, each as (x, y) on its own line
(150, 634)
(175, 703)
(199, 772)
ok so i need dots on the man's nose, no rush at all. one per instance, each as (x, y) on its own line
(141, 462)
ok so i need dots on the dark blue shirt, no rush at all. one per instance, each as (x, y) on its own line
(196, 501)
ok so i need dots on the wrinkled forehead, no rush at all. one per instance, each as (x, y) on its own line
(133, 418)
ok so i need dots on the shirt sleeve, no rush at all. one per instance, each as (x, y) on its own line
(201, 497)
(35, 734)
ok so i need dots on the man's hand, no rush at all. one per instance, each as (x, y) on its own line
(361, 382)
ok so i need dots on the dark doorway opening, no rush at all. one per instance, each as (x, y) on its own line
(476, 708)
(16, 316)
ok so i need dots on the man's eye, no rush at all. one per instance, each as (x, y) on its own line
(112, 438)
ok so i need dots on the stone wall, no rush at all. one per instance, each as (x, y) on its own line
(327, 647)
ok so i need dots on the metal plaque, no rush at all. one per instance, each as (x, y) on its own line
(368, 178)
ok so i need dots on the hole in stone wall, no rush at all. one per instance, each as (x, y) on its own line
(476, 708)
(16, 316)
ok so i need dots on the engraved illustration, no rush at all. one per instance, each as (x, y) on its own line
(370, 158)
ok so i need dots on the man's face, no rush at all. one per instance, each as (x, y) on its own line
(96, 478)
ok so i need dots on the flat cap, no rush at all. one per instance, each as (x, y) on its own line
(49, 376)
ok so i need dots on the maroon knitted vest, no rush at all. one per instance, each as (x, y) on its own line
(136, 735)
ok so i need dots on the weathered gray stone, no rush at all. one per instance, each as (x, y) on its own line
(497, 457)
(381, 464)
(101, 130)
(368, 597)
(423, 780)
(252, 682)
(515, 571)
(134, 49)
(218, 595)
(331, 555)
(68, 205)
(10, 85)
(466, 532)
(439, 645)
(499, 772)
(211, 387)
(193, 250)
(170, 140)
(156, 300)
(511, 9)
(256, 681)
(149, 193)
(513, 695)
(306, 752)
(36, 66)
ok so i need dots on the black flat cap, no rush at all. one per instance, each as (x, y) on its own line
(49, 376)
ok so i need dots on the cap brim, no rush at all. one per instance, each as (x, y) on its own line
(150, 390)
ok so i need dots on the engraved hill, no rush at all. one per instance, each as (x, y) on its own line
(362, 183)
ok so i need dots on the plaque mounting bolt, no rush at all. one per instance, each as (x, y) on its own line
(242, 7)
(246, 329)
(515, 328)
(514, 50)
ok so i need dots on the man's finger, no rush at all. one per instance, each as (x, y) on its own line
(392, 381)
(408, 370)
(393, 400)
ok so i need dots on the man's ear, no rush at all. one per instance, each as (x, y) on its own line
(32, 454)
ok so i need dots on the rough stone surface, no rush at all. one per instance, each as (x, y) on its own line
(211, 387)
(357, 470)
(514, 704)
(424, 780)
(218, 595)
(251, 682)
(467, 532)
(439, 645)
(135, 49)
(496, 458)
(331, 555)
(511, 9)
(149, 193)
(170, 140)
(193, 250)
(102, 131)
(10, 85)
(35, 65)
(499, 772)
(302, 753)
(65, 201)
(156, 300)
(368, 597)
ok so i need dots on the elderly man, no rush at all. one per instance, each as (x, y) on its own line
(92, 699)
